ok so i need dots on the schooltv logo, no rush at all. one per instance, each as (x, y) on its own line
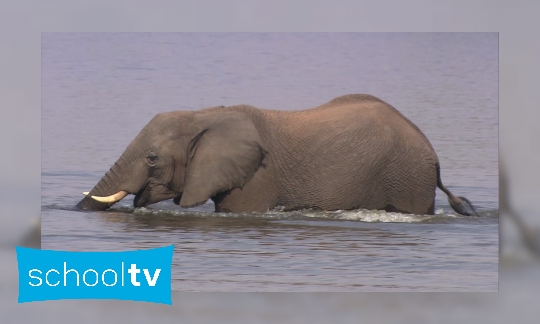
(139, 275)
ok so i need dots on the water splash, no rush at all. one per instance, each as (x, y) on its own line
(361, 215)
(441, 214)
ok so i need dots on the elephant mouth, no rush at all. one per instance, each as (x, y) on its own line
(146, 196)
(140, 199)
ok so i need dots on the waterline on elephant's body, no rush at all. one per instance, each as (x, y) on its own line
(168, 209)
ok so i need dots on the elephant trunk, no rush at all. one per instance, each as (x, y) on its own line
(105, 193)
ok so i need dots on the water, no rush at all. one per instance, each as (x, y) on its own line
(99, 90)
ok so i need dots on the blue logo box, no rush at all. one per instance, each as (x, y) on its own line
(139, 275)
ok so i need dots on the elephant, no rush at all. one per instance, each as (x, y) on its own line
(353, 152)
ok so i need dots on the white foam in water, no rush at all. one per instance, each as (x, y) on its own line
(362, 215)
(372, 216)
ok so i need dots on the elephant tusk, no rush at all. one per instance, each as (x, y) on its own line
(86, 193)
(112, 198)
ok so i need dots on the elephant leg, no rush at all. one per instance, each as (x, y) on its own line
(241, 200)
(431, 209)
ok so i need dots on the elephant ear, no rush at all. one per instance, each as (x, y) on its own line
(225, 154)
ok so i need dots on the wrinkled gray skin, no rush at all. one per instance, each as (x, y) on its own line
(355, 151)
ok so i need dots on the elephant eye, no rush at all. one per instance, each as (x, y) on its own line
(152, 158)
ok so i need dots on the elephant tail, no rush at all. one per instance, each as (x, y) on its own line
(461, 205)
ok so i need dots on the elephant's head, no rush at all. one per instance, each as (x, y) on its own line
(187, 156)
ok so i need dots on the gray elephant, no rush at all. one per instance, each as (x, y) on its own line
(355, 151)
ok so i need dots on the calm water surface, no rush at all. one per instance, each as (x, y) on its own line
(99, 90)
